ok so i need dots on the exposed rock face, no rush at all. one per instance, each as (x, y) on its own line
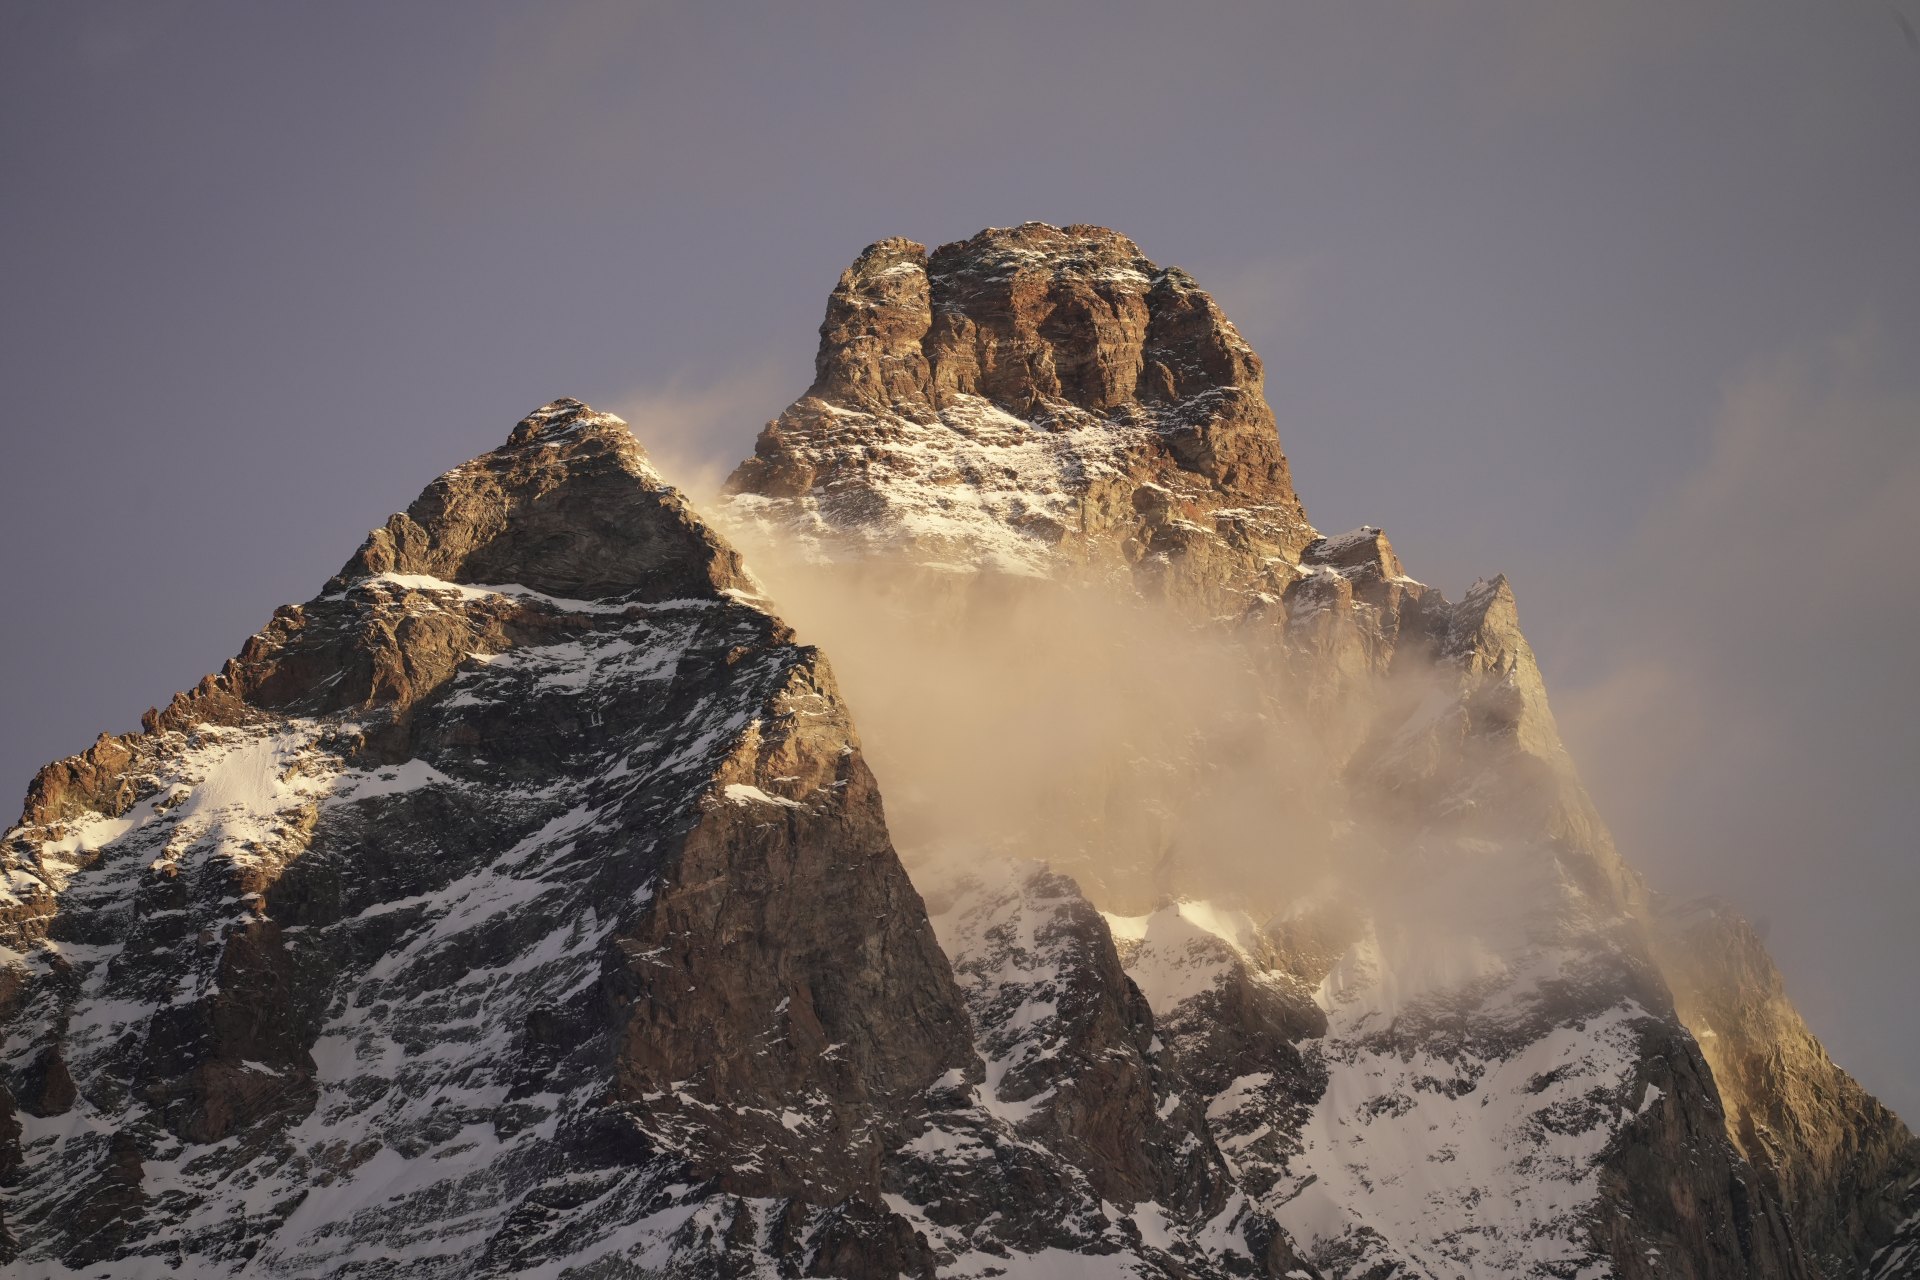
(1029, 398)
(1069, 1042)
(1077, 1080)
(1842, 1165)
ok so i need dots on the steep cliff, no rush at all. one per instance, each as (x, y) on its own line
(1026, 399)
(1841, 1163)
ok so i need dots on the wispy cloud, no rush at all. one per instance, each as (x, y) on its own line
(696, 431)
(1269, 299)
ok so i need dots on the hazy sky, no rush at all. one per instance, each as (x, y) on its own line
(1622, 299)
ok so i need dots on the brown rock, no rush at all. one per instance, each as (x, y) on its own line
(1824, 1148)
(1160, 456)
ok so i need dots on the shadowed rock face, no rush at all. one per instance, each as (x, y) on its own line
(1069, 1041)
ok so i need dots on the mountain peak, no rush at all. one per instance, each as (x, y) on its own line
(1078, 247)
(1037, 319)
(569, 506)
(565, 517)
(563, 416)
(1102, 408)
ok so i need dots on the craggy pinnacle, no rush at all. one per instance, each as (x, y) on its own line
(1101, 409)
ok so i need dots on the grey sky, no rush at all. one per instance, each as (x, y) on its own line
(1622, 299)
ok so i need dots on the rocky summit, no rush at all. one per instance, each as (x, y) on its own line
(524, 904)
(1027, 399)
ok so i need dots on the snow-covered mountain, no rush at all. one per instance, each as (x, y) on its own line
(524, 904)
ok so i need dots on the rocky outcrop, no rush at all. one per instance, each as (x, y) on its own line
(1068, 1040)
(1839, 1162)
(1900, 1256)
(1031, 397)
(1079, 1065)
